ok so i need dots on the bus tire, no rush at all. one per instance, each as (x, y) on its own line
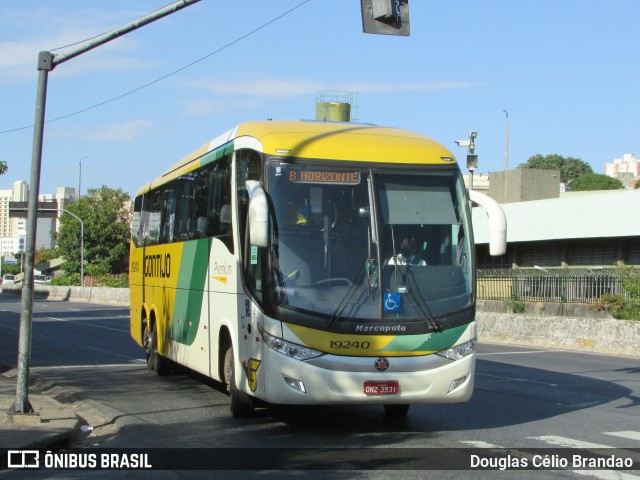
(396, 410)
(241, 403)
(155, 361)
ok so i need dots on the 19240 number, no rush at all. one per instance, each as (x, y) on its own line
(346, 344)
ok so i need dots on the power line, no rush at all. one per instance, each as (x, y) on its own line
(87, 39)
(153, 82)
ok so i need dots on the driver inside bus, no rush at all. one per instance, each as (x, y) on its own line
(408, 254)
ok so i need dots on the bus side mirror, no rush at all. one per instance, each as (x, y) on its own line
(258, 214)
(497, 222)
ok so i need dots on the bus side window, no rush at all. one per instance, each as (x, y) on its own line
(248, 167)
(150, 219)
(199, 224)
(219, 219)
(136, 224)
(169, 217)
(183, 208)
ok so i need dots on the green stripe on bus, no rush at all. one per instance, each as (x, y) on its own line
(190, 291)
(432, 342)
(226, 149)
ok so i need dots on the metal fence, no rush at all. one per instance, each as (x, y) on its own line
(562, 285)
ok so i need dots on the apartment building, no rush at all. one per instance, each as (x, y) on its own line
(626, 169)
(13, 231)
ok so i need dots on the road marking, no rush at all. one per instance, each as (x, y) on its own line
(512, 353)
(628, 434)
(75, 322)
(512, 379)
(481, 444)
(74, 367)
(568, 442)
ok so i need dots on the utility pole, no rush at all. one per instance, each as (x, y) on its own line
(46, 63)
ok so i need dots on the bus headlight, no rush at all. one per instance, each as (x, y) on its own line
(459, 351)
(293, 350)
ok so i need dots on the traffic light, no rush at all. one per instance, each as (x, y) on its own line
(386, 17)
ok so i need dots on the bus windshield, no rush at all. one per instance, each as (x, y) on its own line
(369, 243)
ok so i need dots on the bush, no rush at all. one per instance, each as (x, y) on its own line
(66, 280)
(619, 306)
(113, 281)
(516, 306)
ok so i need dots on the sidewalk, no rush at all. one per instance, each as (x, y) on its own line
(54, 423)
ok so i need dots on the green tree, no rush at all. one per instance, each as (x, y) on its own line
(3, 167)
(595, 181)
(12, 269)
(106, 214)
(44, 255)
(569, 167)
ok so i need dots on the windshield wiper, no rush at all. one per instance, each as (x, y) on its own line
(371, 262)
(419, 302)
(337, 314)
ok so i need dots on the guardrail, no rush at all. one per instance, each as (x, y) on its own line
(562, 285)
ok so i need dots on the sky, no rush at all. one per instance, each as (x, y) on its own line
(566, 71)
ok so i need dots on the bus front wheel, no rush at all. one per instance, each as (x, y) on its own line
(241, 403)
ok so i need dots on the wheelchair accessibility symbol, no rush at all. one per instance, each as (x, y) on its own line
(392, 302)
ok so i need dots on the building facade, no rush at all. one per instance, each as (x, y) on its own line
(590, 230)
(626, 169)
(13, 230)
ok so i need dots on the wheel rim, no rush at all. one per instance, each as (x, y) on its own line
(150, 349)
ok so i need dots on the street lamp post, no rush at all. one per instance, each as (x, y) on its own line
(506, 154)
(46, 63)
(80, 176)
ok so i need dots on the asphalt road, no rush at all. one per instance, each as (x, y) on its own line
(524, 398)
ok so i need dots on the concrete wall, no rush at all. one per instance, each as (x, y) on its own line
(524, 184)
(107, 296)
(548, 325)
(601, 335)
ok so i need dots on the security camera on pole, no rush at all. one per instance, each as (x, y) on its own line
(472, 159)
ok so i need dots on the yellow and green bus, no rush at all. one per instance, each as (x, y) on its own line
(311, 263)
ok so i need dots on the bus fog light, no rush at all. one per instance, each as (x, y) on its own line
(456, 383)
(295, 384)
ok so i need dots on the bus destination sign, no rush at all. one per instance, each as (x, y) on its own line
(324, 176)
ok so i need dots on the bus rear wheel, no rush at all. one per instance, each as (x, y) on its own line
(155, 361)
(241, 403)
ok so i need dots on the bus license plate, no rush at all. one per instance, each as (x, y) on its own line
(381, 388)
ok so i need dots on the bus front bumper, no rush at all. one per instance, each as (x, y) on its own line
(355, 380)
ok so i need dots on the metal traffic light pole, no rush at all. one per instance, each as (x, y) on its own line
(46, 63)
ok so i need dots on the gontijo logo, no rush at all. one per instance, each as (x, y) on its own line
(158, 265)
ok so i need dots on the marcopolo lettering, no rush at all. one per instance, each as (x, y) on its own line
(381, 328)
(158, 265)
